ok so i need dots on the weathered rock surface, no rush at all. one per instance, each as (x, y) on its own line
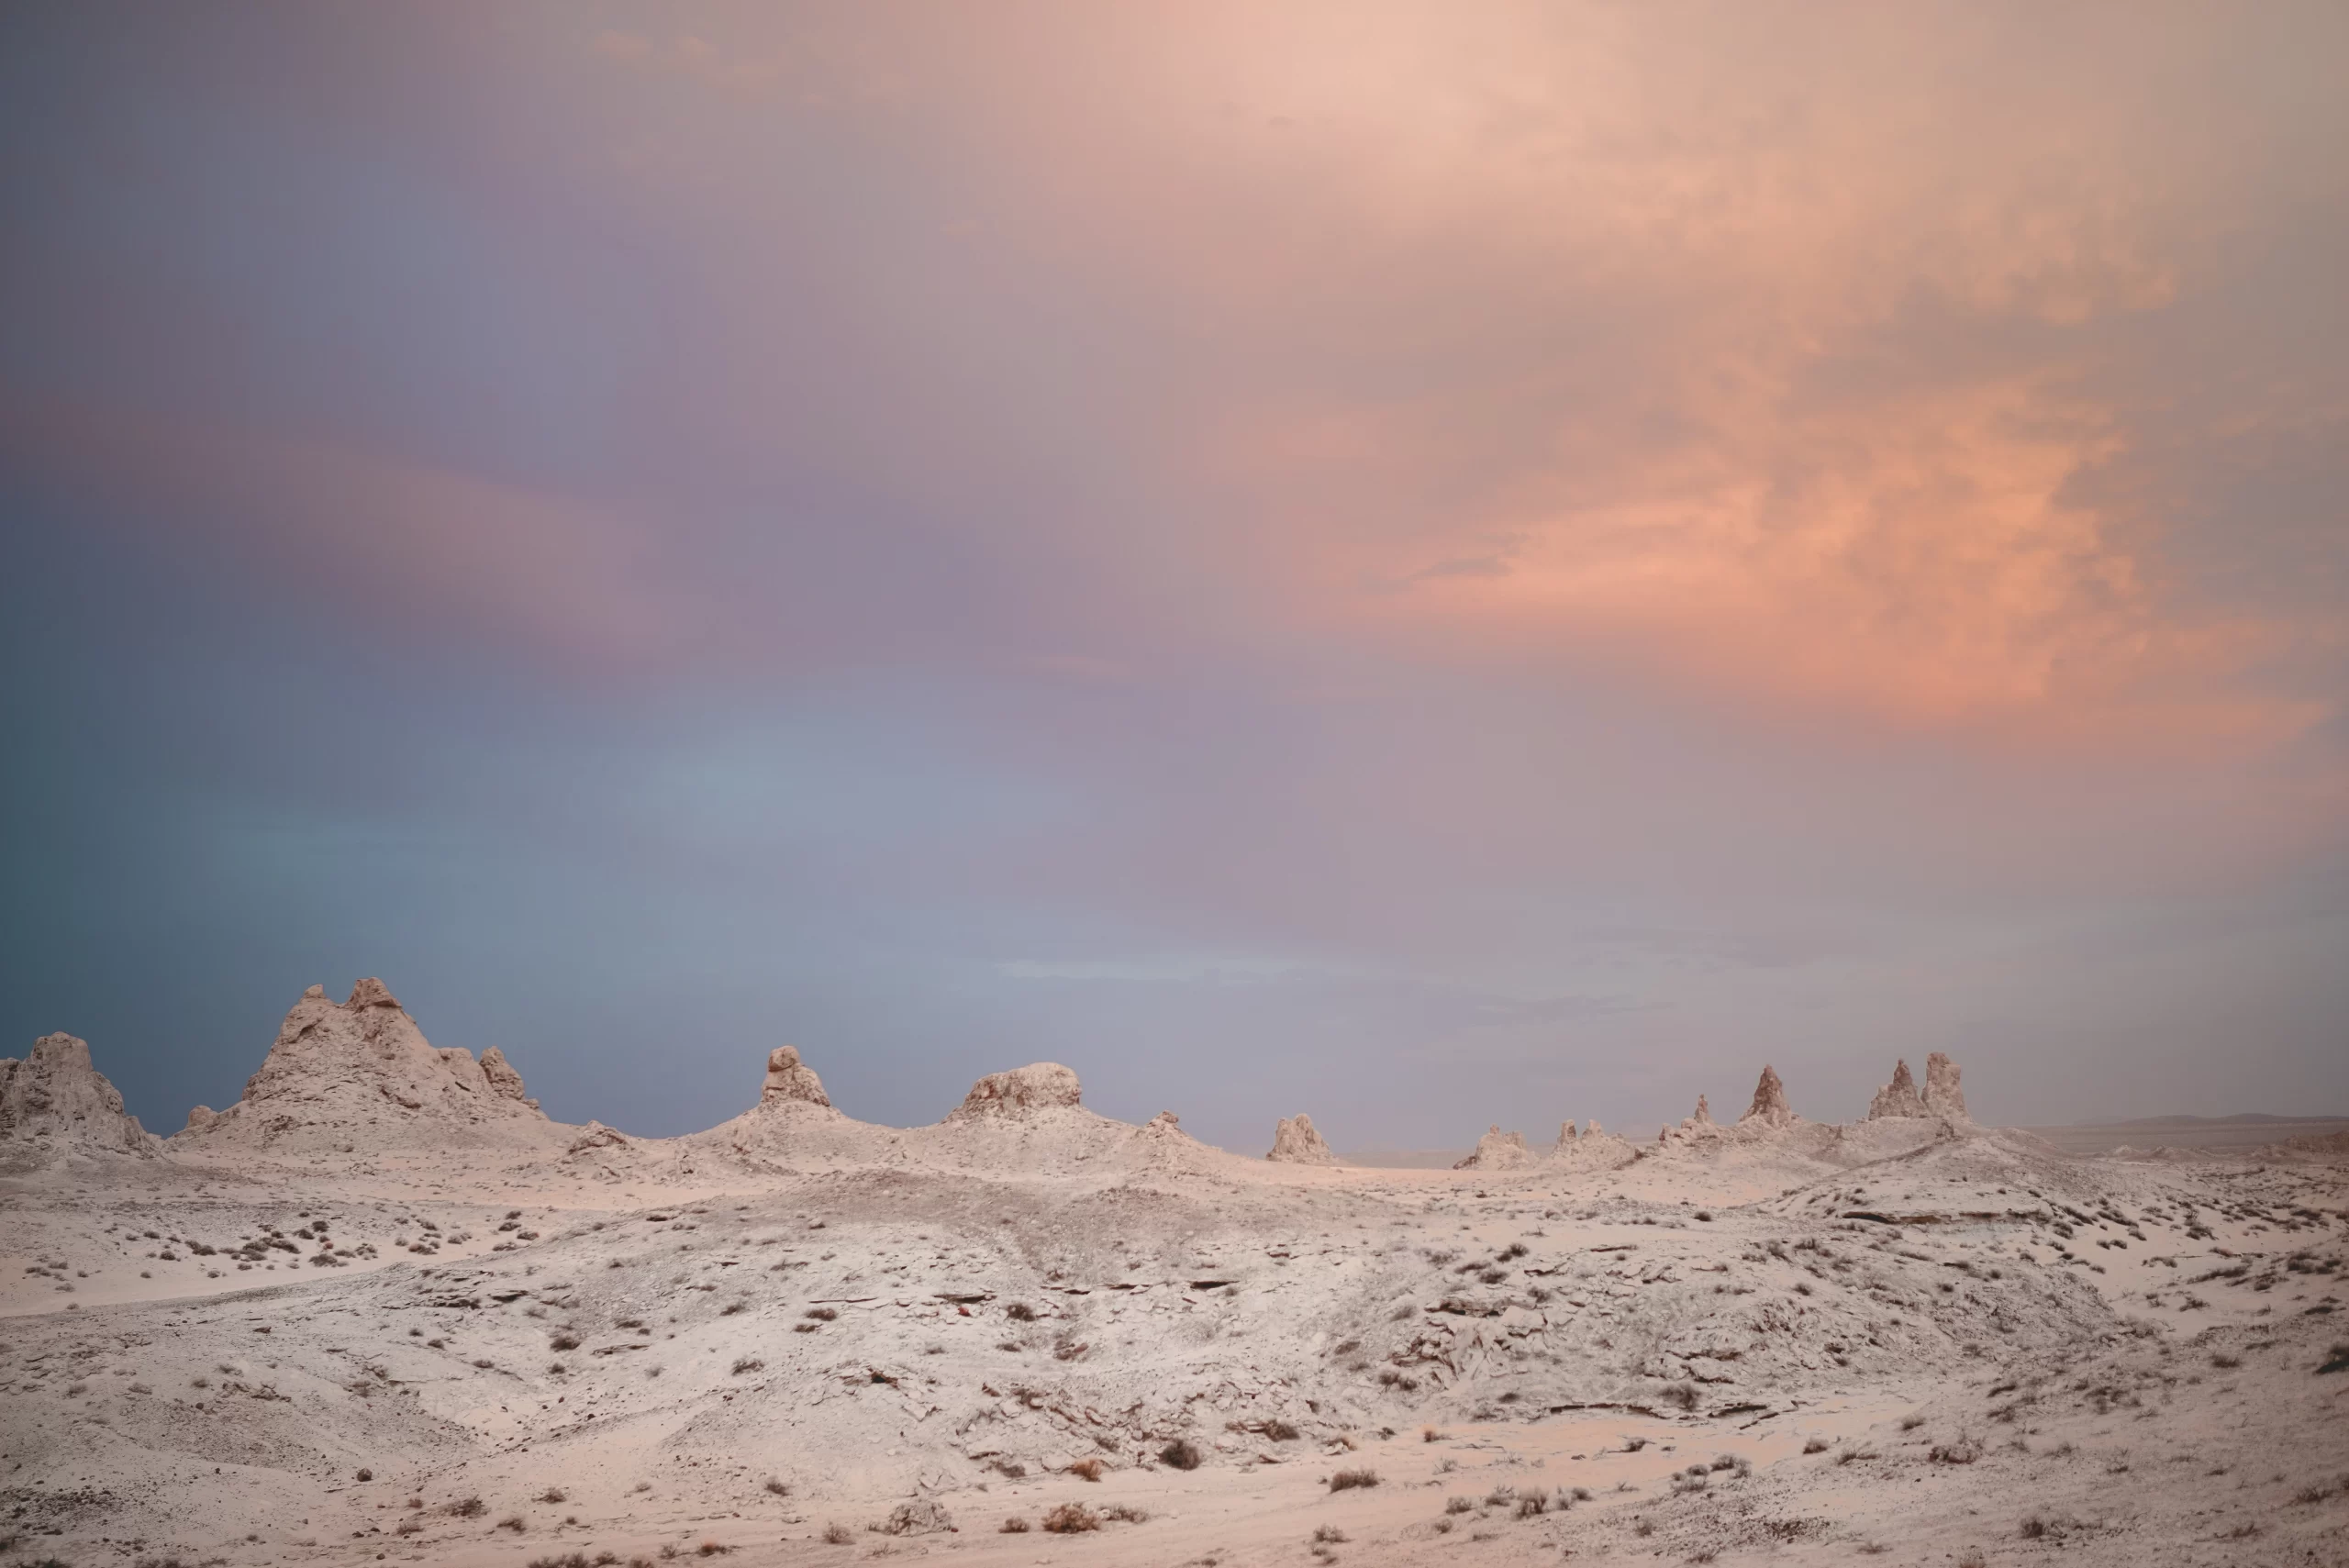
(791, 1080)
(1769, 1108)
(57, 1098)
(1041, 1085)
(1943, 1096)
(1498, 1150)
(1897, 1098)
(1296, 1142)
(361, 1078)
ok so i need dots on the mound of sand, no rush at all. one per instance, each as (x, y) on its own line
(1296, 1142)
(361, 1078)
(55, 1100)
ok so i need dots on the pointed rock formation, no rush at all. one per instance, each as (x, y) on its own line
(55, 1099)
(790, 1079)
(1769, 1108)
(1704, 1117)
(503, 1079)
(1943, 1096)
(1296, 1142)
(1897, 1098)
(361, 1078)
(1042, 1086)
(1498, 1150)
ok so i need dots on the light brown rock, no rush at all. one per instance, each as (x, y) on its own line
(361, 1078)
(1498, 1150)
(1296, 1142)
(1041, 1085)
(1899, 1098)
(56, 1097)
(791, 1080)
(1769, 1108)
(1943, 1096)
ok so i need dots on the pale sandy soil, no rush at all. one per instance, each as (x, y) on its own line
(1902, 1356)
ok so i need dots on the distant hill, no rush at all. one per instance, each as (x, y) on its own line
(2249, 1129)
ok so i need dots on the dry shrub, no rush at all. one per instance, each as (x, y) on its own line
(1329, 1535)
(1127, 1513)
(1457, 1505)
(839, 1534)
(1349, 1480)
(1020, 1312)
(552, 1495)
(1815, 1445)
(1088, 1468)
(1280, 1431)
(1683, 1395)
(780, 1487)
(712, 1549)
(749, 1363)
(1015, 1524)
(1072, 1519)
(469, 1507)
(514, 1522)
(1182, 1454)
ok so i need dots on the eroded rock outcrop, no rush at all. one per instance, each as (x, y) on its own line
(1296, 1142)
(360, 1077)
(1943, 1096)
(1041, 1085)
(56, 1099)
(1899, 1098)
(791, 1081)
(1769, 1108)
(1498, 1150)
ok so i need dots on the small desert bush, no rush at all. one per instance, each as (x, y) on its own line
(552, 1495)
(1683, 1395)
(1457, 1505)
(1088, 1468)
(514, 1522)
(1349, 1480)
(1015, 1524)
(1429, 1435)
(563, 1343)
(469, 1507)
(2033, 1527)
(839, 1534)
(1910, 1423)
(1531, 1504)
(1329, 1535)
(1181, 1453)
(1072, 1519)
(1815, 1445)
(1280, 1431)
(712, 1549)
(776, 1484)
(820, 1314)
(1126, 1512)
(1020, 1312)
(749, 1363)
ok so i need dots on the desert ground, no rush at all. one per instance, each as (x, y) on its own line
(1030, 1334)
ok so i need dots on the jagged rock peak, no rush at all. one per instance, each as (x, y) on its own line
(1897, 1098)
(369, 992)
(1769, 1108)
(503, 1079)
(339, 1076)
(1498, 1150)
(791, 1080)
(1704, 1117)
(1296, 1142)
(1567, 1133)
(1041, 1085)
(56, 1095)
(1943, 1096)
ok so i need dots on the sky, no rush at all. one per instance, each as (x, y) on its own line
(1436, 565)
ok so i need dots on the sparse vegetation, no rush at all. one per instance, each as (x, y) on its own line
(1015, 1524)
(1088, 1468)
(1181, 1455)
(1347, 1480)
(747, 1364)
(469, 1507)
(839, 1534)
(1071, 1519)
